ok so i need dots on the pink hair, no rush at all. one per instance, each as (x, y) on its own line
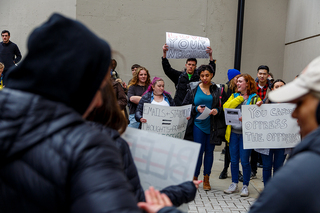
(153, 82)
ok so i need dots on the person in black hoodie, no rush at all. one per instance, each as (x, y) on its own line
(50, 159)
(295, 187)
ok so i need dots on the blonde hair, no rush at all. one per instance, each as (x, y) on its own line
(1, 65)
(135, 79)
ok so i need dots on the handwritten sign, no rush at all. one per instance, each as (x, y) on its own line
(186, 46)
(165, 120)
(161, 161)
(269, 126)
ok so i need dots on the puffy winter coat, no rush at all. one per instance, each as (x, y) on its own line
(51, 161)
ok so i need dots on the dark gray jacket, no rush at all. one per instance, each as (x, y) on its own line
(51, 161)
(295, 187)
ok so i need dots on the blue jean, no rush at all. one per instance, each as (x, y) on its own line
(133, 123)
(204, 139)
(236, 152)
(275, 159)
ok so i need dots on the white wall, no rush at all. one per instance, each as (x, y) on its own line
(302, 36)
(136, 29)
(264, 35)
(20, 17)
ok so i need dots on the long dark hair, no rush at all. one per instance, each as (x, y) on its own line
(109, 114)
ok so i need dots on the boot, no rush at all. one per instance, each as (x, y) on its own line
(223, 174)
(206, 184)
(195, 178)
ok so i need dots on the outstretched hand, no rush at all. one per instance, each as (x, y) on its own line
(197, 183)
(154, 201)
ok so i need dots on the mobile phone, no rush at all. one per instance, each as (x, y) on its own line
(202, 106)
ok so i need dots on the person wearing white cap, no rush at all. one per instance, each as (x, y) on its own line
(296, 187)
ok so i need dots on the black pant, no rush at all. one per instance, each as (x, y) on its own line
(226, 157)
(254, 161)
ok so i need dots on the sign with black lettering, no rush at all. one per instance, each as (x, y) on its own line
(269, 126)
(186, 46)
(166, 120)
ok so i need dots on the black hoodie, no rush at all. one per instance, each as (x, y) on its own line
(50, 160)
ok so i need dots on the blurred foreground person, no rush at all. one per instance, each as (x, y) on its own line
(109, 120)
(295, 187)
(51, 161)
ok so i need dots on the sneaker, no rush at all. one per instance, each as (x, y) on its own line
(240, 177)
(253, 175)
(244, 191)
(232, 188)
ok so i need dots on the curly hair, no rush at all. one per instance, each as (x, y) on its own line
(135, 79)
(251, 87)
(206, 67)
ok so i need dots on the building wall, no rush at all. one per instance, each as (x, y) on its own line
(136, 29)
(20, 17)
(302, 36)
(264, 35)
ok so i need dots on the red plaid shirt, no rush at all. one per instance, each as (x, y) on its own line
(262, 92)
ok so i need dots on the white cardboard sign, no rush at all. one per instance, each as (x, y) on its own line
(186, 46)
(165, 120)
(161, 161)
(269, 126)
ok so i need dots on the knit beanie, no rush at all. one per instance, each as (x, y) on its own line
(232, 73)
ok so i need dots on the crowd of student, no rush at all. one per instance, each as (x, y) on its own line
(52, 160)
(196, 86)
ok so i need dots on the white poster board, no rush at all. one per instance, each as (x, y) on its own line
(269, 126)
(162, 161)
(186, 46)
(165, 120)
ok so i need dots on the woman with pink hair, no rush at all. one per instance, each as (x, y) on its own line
(155, 94)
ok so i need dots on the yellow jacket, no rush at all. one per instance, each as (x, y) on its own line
(235, 100)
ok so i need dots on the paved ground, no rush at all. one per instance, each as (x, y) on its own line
(215, 200)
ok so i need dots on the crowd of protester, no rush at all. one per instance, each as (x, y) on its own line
(52, 160)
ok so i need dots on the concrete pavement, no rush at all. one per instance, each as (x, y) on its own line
(215, 200)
